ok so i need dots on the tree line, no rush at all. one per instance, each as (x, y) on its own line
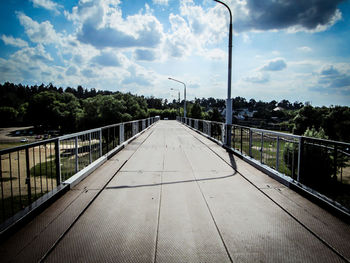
(69, 110)
(74, 109)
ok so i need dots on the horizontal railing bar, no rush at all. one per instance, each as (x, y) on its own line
(344, 144)
(72, 135)
(275, 133)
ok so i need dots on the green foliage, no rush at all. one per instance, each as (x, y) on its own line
(316, 168)
(195, 111)
(8, 115)
(48, 107)
(335, 121)
(215, 115)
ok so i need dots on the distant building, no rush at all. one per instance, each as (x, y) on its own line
(278, 109)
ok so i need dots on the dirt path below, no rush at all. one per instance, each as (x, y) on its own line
(7, 135)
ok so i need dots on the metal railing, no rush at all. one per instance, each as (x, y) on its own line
(30, 171)
(317, 164)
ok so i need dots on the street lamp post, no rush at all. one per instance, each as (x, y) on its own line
(228, 100)
(184, 94)
(179, 97)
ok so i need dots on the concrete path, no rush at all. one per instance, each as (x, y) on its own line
(175, 196)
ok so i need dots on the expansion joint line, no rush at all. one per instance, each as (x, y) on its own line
(159, 209)
(281, 207)
(89, 204)
(210, 212)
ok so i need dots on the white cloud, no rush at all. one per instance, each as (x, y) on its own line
(145, 55)
(100, 24)
(160, 2)
(47, 4)
(107, 59)
(16, 42)
(305, 49)
(43, 33)
(275, 65)
(257, 77)
(71, 71)
(215, 54)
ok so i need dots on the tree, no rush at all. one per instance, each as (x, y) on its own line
(215, 115)
(8, 116)
(196, 111)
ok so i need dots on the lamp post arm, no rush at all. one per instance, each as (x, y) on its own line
(184, 94)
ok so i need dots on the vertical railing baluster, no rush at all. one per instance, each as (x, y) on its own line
(250, 142)
(58, 162)
(335, 161)
(47, 180)
(2, 191)
(241, 142)
(34, 172)
(29, 188)
(121, 133)
(278, 154)
(41, 178)
(76, 154)
(100, 142)
(262, 147)
(90, 154)
(19, 179)
(12, 201)
(300, 151)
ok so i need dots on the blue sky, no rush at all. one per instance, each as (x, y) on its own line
(287, 49)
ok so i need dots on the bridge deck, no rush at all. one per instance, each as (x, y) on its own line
(175, 196)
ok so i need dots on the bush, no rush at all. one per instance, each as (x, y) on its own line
(316, 162)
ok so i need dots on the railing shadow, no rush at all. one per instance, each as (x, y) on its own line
(174, 182)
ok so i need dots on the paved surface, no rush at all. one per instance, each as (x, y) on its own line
(175, 196)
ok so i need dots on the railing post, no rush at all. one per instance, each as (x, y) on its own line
(90, 155)
(223, 134)
(278, 154)
(100, 142)
(241, 142)
(262, 147)
(28, 177)
(134, 124)
(76, 155)
(143, 124)
(107, 141)
(121, 133)
(335, 162)
(209, 129)
(58, 162)
(228, 128)
(300, 152)
(196, 124)
(250, 142)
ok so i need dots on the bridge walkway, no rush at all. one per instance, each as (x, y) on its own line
(172, 195)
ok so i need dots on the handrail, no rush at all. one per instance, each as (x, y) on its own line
(314, 163)
(31, 171)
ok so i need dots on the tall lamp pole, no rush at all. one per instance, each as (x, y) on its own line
(179, 97)
(184, 93)
(228, 100)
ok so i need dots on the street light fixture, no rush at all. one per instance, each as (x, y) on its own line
(184, 93)
(179, 97)
(228, 100)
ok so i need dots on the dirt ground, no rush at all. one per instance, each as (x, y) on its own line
(7, 137)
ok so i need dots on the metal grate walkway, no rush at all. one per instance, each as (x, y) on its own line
(174, 196)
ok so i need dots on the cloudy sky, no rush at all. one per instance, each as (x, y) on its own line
(287, 49)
